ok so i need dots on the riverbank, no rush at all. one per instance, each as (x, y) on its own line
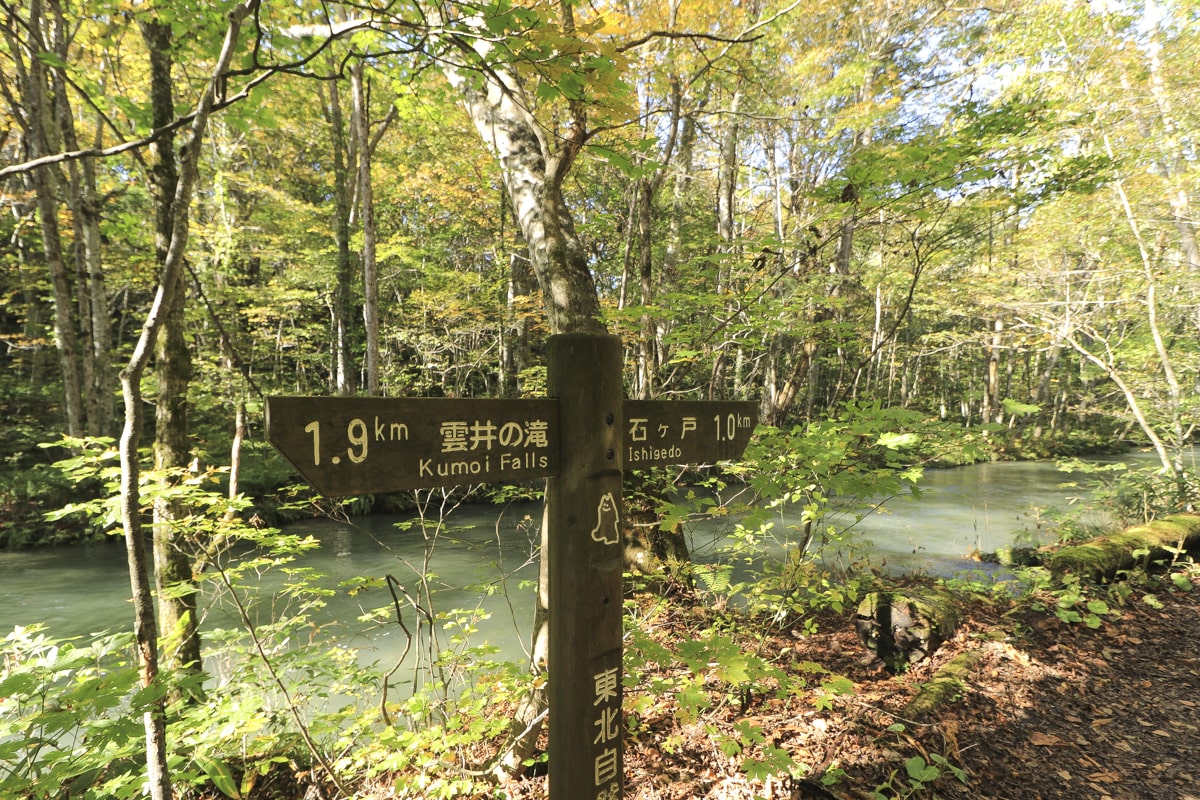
(1050, 710)
(962, 513)
(1070, 690)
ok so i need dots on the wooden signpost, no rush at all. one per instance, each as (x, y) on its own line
(582, 438)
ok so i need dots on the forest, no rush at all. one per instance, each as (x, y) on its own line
(915, 234)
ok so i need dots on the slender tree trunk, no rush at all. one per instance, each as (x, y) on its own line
(683, 178)
(673, 249)
(991, 389)
(366, 202)
(1041, 393)
(144, 625)
(94, 342)
(533, 173)
(1178, 194)
(104, 378)
(1170, 452)
(728, 169)
(145, 629)
(727, 176)
(235, 452)
(647, 361)
(343, 293)
(650, 355)
(43, 139)
(514, 355)
(177, 590)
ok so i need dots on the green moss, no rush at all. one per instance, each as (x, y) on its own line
(946, 685)
(1102, 558)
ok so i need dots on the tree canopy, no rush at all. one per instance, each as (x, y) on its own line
(959, 210)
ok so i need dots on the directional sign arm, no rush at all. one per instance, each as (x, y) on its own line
(664, 432)
(369, 445)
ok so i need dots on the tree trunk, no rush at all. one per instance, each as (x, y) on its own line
(906, 626)
(145, 629)
(514, 342)
(647, 361)
(94, 326)
(101, 410)
(343, 292)
(727, 176)
(144, 626)
(177, 591)
(533, 173)
(42, 140)
(650, 355)
(1170, 450)
(683, 178)
(173, 551)
(991, 390)
(366, 201)
(1177, 191)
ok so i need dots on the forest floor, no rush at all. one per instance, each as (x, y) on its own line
(1051, 710)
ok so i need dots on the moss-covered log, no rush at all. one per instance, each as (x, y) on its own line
(947, 685)
(905, 626)
(1103, 558)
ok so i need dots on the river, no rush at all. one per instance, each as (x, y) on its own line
(82, 589)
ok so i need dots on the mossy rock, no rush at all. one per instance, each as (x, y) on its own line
(1014, 557)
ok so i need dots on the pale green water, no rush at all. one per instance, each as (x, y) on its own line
(84, 589)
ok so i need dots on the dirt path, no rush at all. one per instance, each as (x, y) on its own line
(1076, 713)
(1053, 710)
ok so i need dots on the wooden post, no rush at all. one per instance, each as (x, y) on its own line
(581, 437)
(584, 512)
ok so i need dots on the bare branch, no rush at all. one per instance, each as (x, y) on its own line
(745, 37)
(134, 144)
(708, 37)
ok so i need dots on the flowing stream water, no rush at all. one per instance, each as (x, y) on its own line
(482, 556)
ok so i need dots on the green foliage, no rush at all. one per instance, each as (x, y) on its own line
(434, 731)
(711, 669)
(1071, 605)
(920, 776)
(275, 695)
(862, 451)
(24, 496)
(69, 717)
(791, 555)
(1071, 600)
(1131, 494)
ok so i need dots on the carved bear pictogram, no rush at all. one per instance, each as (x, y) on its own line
(607, 528)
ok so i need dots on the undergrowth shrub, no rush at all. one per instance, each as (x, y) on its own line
(70, 717)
